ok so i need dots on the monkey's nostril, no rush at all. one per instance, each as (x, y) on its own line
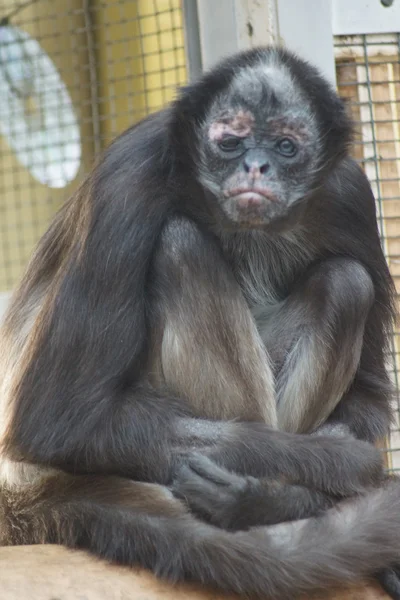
(255, 167)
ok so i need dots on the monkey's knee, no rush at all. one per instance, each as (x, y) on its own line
(346, 286)
(351, 282)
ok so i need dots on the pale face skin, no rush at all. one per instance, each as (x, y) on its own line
(259, 151)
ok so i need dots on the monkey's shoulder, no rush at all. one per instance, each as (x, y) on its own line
(348, 190)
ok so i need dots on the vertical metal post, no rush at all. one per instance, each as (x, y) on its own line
(305, 26)
(192, 39)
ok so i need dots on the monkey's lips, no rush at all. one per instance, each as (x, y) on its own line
(251, 207)
(250, 198)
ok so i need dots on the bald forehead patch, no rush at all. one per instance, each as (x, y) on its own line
(259, 81)
(239, 123)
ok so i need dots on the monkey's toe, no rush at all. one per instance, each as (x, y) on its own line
(207, 469)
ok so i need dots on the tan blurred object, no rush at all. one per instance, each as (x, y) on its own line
(55, 573)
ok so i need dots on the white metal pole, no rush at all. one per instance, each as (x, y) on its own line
(305, 26)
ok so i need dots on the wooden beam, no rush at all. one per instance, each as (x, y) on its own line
(53, 572)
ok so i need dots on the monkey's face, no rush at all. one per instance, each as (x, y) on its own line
(259, 154)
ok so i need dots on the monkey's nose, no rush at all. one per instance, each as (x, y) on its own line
(255, 167)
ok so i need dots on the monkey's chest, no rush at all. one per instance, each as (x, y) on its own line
(267, 300)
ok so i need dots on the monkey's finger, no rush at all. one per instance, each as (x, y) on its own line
(190, 486)
(207, 469)
(205, 498)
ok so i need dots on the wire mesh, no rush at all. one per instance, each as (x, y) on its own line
(368, 75)
(73, 74)
(108, 63)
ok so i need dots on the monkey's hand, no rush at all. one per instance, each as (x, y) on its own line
(233, 502)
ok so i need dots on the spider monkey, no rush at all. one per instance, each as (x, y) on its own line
(213, 293)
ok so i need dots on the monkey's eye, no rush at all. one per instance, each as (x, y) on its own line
(230, 144)
(286, 147)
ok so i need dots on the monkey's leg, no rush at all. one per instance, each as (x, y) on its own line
(390, 581)
(142, 525)
(239, 503)
(211, 352)
(316, 339)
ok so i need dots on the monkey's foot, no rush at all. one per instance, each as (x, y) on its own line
(390, 581)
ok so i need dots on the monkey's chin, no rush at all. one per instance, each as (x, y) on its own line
(253, 212)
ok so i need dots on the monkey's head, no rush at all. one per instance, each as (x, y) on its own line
(270, 130)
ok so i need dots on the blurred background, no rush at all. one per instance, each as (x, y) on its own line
(75, 73)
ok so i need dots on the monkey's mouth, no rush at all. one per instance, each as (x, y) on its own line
(250, 198)
(252, 207)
